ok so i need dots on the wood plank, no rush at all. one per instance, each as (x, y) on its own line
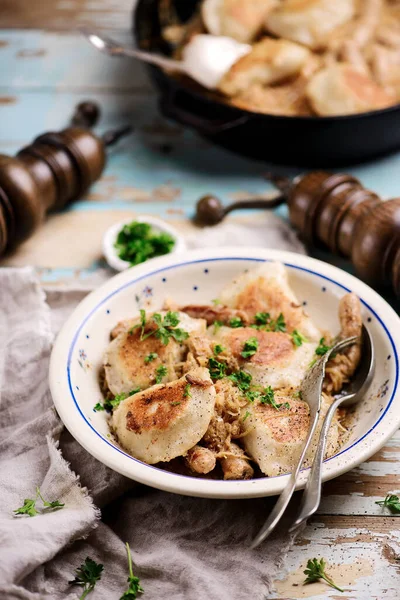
(361, 553)
(66, 14)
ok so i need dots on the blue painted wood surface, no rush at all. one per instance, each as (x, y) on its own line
(160, 169)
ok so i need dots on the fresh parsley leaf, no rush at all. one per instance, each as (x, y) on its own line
(134, 587)
(279, 324)
(250, 348)
(87, 575)
(262, 318)
(322, 348)
(112, 403)
(316, 570)
(137, 242)
(166, 328)
(175, 403)
(217, 325)
(246, 416)
(216, 301)
(392, 502)
(142, 324)
(161, 371)
(236, 322)
(150, 357)
(253, 395)
(297, 394)
(217, 369)
(298, 338)
(268, 397)
(218, 349)
(186, 391)
(242, 380)
(29, 506)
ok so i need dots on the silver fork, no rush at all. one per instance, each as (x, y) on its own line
(311, 390)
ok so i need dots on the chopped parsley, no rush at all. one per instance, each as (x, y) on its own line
(242, 380)
(29, 506)
(250, 348)
(263, 322)
(322, 348)
(150, 357)
(110, 404)
(246, 416)
(218, 349)
(216, 301)
(298, 338)
(175, 403)
(217, 326)
(142, 324)
(236, 322)
(392, 502)
(265, 396)
(217, 369)
(137, 242)
(161, 372)
(134, 587)
(186, 391)
(316, 570)
(166, 328)
(87, 575)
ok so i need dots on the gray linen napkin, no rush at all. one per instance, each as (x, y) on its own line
(183, 548)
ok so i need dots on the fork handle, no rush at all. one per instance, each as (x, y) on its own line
(312, 492)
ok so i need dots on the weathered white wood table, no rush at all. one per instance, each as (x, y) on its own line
(45, 69)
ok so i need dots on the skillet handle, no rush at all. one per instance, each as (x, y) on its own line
(172, 108)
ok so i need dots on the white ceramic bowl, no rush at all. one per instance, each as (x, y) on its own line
(158, 226)
(198, 277)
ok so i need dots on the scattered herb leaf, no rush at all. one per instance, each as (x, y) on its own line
(112, 403)
(262, 318)
(246, 416)
(150, 357)
(322, 348)
(137, 242)
(297, 394)
(267, 396)
(250, 348)
(242, 380)
(316, 570)
(29, 506)
(217, 326)
(392, 502)
(87, 575)
(166, 328)
(142, 324)
(175, 403)
(134, 587)
(217, 369)
(298, 338)
(161, 372)
(279, 324)
(216, 301)
(236, 322)
(46, 504)
(186, 391)
(218, 349)
(263, 322)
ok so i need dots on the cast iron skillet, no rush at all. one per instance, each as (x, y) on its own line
(302, 141)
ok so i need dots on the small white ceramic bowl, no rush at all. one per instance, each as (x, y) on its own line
(197, 277)
(159, 226)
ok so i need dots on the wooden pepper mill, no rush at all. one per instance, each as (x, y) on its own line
(55, 169)
(333, 211)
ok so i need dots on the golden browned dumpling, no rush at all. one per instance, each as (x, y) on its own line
(125, 358)
(239, 19)
(342, 90)
(269, 61)
(166, 421)
(309, 21)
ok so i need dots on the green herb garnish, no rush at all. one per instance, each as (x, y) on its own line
(137, 242)
(250, 348)
(262, 318)
(87, 575)
(263, 322)
(186, 391)
(322, 348)
(216, 301)
(298, 338)
(142, 324)
(29, 506)
(218, 349)
(236, 322)
(392, 502)
(242, 380)
(267, 396)
(161, 372)
(316, 570)
(175, 403)
(134, 587)
(246, 416)
(112, 403)
(166, 328)
(150, 357)
(217, 369)
(217, 326)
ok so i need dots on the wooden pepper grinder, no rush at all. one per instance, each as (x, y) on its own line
(55, 169)
(336, 212)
